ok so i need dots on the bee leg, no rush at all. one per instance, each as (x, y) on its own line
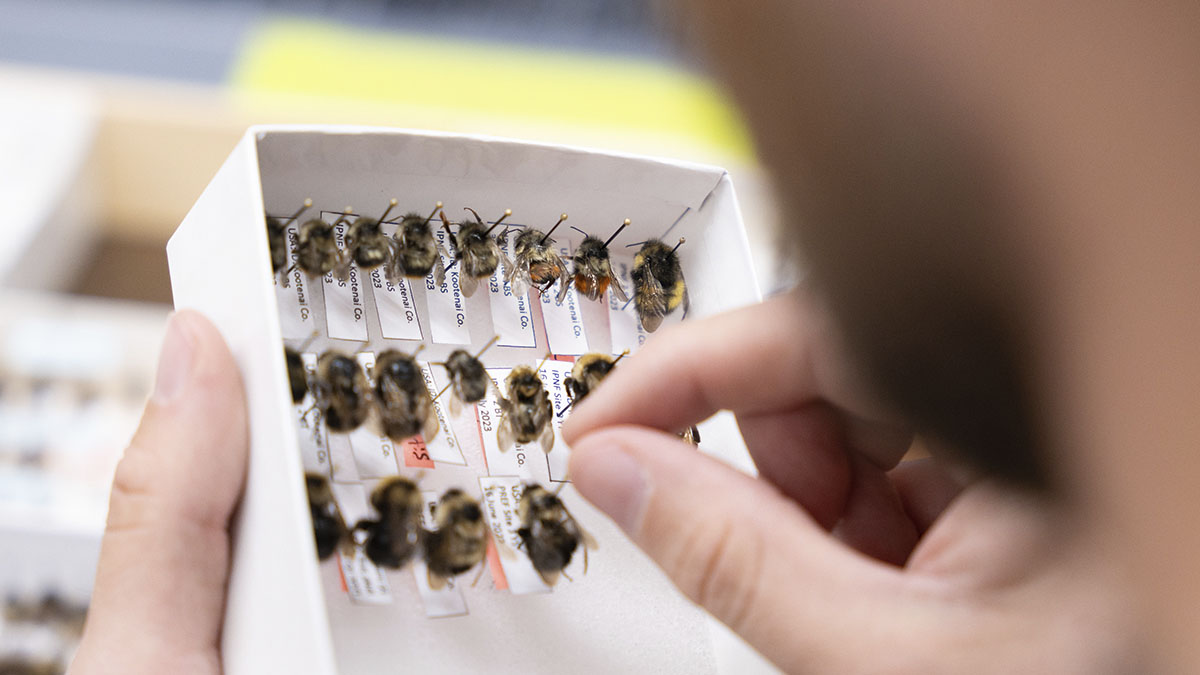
(566, 576)
(436, 582)
(479, 574)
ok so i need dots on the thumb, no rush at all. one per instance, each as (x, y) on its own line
(159, 594)
(734, 545)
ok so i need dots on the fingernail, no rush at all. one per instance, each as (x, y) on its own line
(174, 361)
(611, 480)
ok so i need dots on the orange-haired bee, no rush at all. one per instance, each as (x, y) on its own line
(536, 263)
(592, 272)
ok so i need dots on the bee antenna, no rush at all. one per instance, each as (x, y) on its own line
(391, 205)
(436, 208)
(579, 230)
(485, 347)
(507, 213)
(474, 212)
(681, 243)
(614, 234)
(547, 235)
(636, 243)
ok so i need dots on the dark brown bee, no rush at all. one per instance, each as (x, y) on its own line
(395, 536)
(415, 251)
(403, 401)
(317, 252)
(277, 239)
(460, 540)
(477, 250)
(366, 245)
(658, 287)
(526, 412)
(328, 526)
(536, 263)
(297, 375)
(593, 273)
(549, 534)
(468, 378)
(341, 390)
(587, 373)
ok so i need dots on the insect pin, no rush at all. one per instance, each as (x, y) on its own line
(341, 391)
(394, 537)
(317, 252)
(401, 397)
(658, 287)
(329, 528)
(366, 245)
(477, 250)
(592, 272)
(468, 378)
(416, 253)
(526, 412)
(277, 239)
(460, 540)
(536, 263)
(549, 534)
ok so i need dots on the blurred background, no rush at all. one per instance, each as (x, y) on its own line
(114, 115)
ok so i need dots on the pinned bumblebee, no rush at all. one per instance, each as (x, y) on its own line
(402, 399)
(468, 378)
(366, 245)
(394, 538)
(317, 252)
(658, 287)
(416, 253)
(592, 272)
(536, 264)
(479, 252)
(549, 534)
(341, 391)
(460, 541)
(526, 411)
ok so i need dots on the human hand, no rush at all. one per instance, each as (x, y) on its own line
(159, 597)
(837, 560)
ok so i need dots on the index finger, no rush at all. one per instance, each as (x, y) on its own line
(752, 360)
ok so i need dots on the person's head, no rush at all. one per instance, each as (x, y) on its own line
(998, 203)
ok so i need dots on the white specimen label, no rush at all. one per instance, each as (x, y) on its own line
(345, 312)
(447, 312)
(623, 321)
(553, 375)
(365, 583)
(515, 462)
(295, 302)
(500, 498)
(448, 600)
(314, 450)
(444, 447)
(374, 455)
(397, 311)
(564, 323)
(512, 315)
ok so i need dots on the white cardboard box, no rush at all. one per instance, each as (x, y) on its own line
(286, 612)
